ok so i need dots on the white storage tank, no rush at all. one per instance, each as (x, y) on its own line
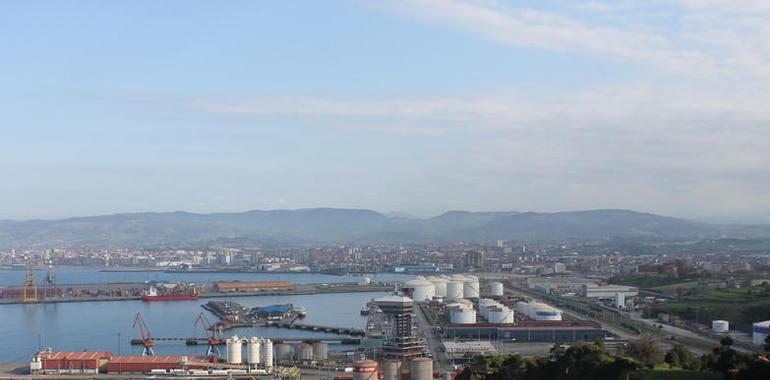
(464, 316)
(496, 289)
(365, 370)
(304, 351)
(321, 351)
(720, 326)
(267, 354)
(420, 289)
(538, 311)
(421, 369)
(500, 314)
(282, 352)
(234, 346)
(760, 331)
(471, 287)
(454, 291)
(439, 286)
(253, 348)
(391, 369)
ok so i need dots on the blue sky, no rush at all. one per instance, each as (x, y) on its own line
(417, 106)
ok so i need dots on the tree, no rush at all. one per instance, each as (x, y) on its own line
(646, 350)
(672, 359)
(680, 356)
(767, 343)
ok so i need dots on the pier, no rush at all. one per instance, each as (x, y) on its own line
(202, 341)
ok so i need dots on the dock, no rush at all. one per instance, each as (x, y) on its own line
(202, 341)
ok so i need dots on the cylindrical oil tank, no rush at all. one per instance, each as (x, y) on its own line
(471, 287)
(454, 291)
(496, 289)
(484, 303)
(421, 289)
(321, 351)
(421, 369)
(304, 351)
(500, 314)
(267, 354)
(254, 347)
(282, 352)
(542, 312)
(464, 316)
(365, 370)
(391, 370)
(720, 326)
(439, 285)
(234, 346)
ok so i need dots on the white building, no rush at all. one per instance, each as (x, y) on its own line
(607, 291)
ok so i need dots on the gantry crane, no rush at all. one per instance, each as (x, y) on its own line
(214, 339)
(144, 334)
(29, 290)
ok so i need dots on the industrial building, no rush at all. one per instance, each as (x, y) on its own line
(529, 331)
(72, 362)
(461, 350)
(607, 291)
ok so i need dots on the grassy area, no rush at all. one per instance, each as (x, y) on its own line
(739, 306)
(650, 281)
(674, 374)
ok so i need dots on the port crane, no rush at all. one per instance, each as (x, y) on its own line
(144, 334)
(214, 339)
(29, 289)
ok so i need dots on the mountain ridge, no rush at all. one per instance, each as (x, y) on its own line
(326, 225)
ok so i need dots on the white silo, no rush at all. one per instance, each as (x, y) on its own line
(471, 287)
(454, 291)
(391, 369)
(253, 348)
(420, 289)
(234, 346)
(439, 285)
(496, 289)
(267, 354)
(303, 351)
(282, 352)
(620, 299)
(720, 326)
(484, 304)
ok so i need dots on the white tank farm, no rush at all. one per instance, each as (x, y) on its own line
(463, 315)
(538, 311)
(760, 331)
(496, 289)
(500, 314)
(267, 354)
(421, 289)
(454, 291)
(439, 286)
(234, 346)
(471, 287)
(253, 348)
(720, 326)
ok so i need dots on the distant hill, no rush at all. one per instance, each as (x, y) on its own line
(331, 225)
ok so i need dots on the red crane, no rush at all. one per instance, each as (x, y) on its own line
(211, 334)
(144, 334)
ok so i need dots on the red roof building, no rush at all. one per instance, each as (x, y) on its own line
(74, 362)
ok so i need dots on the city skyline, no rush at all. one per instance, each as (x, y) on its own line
(415, 106)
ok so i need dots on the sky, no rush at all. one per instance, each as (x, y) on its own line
(415, 106)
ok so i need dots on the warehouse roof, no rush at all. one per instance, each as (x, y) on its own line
(75, 355)
(147, 359)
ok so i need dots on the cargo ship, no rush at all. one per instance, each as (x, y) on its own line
(152, 295)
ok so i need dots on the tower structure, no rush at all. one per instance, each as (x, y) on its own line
(401, 342)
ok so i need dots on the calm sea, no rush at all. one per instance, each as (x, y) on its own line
(106, 326)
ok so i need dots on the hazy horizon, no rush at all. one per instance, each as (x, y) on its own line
(415, 106)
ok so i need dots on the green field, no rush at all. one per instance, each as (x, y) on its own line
(651, 281)
(741, 307)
